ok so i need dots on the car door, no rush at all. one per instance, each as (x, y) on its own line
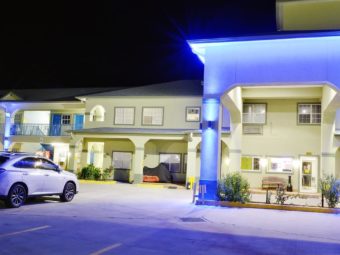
(32, 176)
(54, 179)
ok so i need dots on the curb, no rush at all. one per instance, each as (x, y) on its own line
(269, 206)
(158, 186)
(96, 182)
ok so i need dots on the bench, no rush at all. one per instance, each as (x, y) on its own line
(273, 182)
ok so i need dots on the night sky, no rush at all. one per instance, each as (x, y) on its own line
(118, 43)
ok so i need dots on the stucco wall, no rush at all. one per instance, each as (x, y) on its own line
(282, 137)
(173, 118)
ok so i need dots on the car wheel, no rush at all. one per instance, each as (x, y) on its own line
(16, 196)
(68, 193)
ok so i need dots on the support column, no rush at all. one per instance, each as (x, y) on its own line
(210, 147)
(191, 162)
(235, 150)
(328, 150)
(7, 133)
(75, 155)
(138, 160)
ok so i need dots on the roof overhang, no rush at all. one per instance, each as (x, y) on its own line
(199, 47)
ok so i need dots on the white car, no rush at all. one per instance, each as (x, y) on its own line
(24, 175)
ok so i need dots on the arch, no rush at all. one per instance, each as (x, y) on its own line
(97, 114)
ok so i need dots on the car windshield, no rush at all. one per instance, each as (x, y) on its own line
(3, 159)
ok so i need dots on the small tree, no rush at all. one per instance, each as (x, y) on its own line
(233, 188)
(330, 189)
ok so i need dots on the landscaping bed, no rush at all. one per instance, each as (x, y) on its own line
(269, 206)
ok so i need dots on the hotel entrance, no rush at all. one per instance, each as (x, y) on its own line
(309, 174)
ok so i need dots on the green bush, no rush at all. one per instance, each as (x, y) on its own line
(233, 188)
(90, 172)
(108, 173)
(330, 189)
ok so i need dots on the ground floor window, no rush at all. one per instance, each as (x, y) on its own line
(250, 163)
(121, 160)
(281, 165)
(172, 161)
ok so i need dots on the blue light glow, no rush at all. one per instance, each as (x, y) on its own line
(312, 58)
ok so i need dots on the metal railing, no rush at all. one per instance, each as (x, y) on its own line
(40, 130)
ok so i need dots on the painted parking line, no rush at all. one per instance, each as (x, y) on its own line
(111, 247)
(24, 231)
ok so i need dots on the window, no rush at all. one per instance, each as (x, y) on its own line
(66, 119)
(124, 115)
(254, 113)
(47, 165)
(97, 113)
(172, 161)
(121, 160)
(309, 113)
(27, 163)
(250, 163)
(281, 165)
(153, 116)
(193, 114)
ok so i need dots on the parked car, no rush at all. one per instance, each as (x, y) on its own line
(25, 175)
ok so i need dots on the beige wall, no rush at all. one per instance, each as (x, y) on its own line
(282, 136)
(173, 118)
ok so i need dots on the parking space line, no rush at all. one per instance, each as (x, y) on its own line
(24, 231)
(111, 247)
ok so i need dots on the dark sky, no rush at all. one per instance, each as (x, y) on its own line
(117, 43)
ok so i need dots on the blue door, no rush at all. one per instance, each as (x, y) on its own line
(78, 121)
(55, 128)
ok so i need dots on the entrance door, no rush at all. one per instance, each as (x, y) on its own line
(56, 125)
(309, 174)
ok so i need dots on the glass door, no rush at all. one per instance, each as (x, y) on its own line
(309, 174)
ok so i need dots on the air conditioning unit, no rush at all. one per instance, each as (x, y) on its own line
(252, 129)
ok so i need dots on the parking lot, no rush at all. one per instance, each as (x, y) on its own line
(131, 219)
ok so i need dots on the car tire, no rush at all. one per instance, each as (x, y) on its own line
(16, 196)
(68, 193)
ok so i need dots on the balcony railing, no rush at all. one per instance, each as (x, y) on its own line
(40, 130)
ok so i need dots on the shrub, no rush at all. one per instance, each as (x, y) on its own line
(108, 173)
(233, 188)
(90, 172)
(330, 189)
(281, 196)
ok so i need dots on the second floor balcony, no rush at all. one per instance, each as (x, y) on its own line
(41, 130)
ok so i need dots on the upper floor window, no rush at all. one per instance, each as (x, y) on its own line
(66, 119)
(309, 113)
(254, 113)
(97, 113)
(152, 116)
(124, 116)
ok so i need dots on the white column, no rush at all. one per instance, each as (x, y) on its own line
(328, 150)
(138, 160)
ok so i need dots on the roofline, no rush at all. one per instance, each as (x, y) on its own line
(281, 35)
(198, 47)
(47, 101)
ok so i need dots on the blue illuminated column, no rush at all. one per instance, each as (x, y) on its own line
(7, 132)
(210, 147)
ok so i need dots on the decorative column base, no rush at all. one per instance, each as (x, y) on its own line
(210, 190)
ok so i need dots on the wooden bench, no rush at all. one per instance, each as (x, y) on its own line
(273, 182)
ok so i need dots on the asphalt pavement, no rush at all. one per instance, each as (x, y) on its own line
(131, 219)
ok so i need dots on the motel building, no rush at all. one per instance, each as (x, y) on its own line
(268, 106)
